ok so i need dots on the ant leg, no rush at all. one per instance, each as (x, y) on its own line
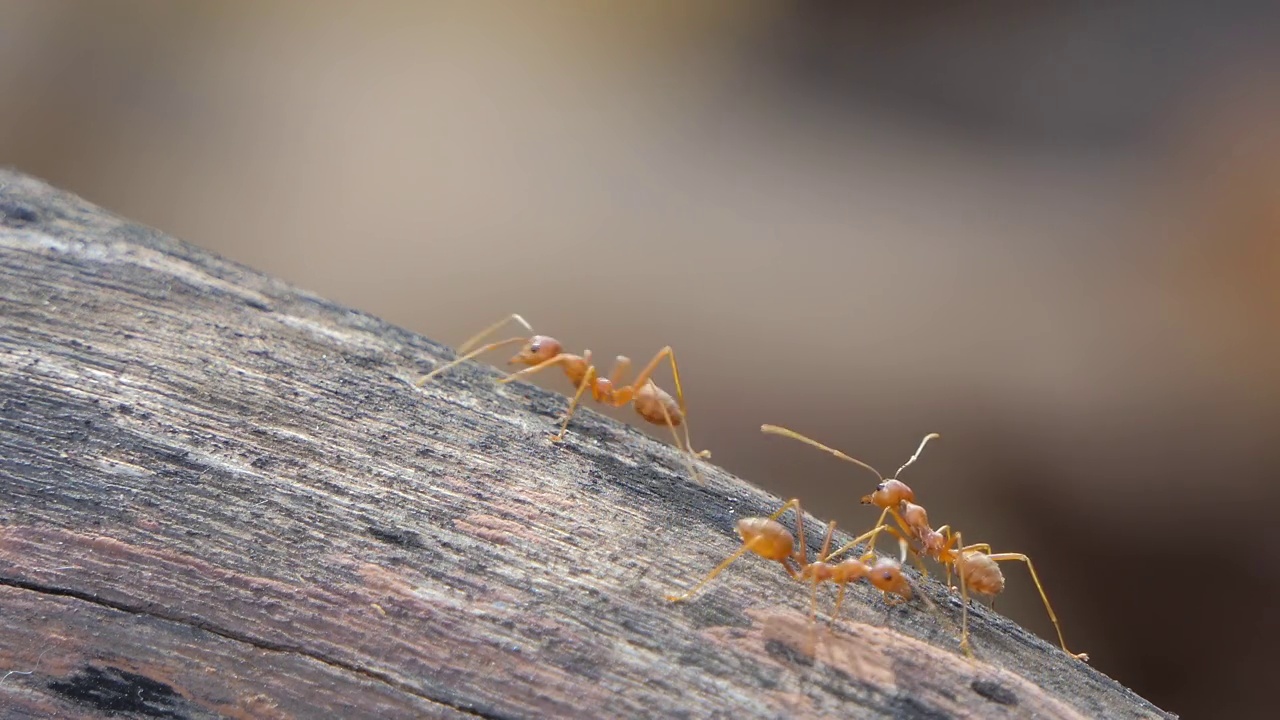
(903, 543)
(560, 359)
(1004, 557)
(639, 382)
(871, 544)
(964, 604)
(822, 557)
(746, 546)
(784, 432)
(491, 346)
(792, 503)
(557, 360)
(464, 347)
(870, 534)
(684, 450)
(902, 540)
(826, 544)
(621, 364)
(802, 549)
(587, 379)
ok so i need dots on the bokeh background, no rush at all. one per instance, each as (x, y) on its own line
(1049, 233)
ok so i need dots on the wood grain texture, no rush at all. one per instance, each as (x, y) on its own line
(221, 496)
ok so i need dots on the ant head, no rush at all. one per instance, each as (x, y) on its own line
(889, 494)
(768, 538)
(539, 349)
(887, 576)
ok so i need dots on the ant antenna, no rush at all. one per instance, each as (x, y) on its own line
(471, 341)
(916, 456)
(777, 430)
(465, 356)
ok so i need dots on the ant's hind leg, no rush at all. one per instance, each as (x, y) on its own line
(1005, 557)
(746, 546)
(645, 374)
(964, 604)
(685, 451)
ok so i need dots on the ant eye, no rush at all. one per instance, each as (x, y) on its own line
(535, 347)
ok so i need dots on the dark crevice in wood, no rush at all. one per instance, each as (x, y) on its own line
(257, 643)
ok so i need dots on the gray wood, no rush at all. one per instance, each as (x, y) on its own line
(221, 496)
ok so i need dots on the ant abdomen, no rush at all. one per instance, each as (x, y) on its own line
(818, 572)
(767, 538)
(657, 406)
(981, 573)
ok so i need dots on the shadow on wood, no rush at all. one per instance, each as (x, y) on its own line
(221, 496)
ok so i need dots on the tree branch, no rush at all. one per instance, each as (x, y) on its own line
(221, 496)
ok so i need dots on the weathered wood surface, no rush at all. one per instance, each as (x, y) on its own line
(222, 497)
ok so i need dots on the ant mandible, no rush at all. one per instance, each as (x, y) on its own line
(540, 352)
(975, 564)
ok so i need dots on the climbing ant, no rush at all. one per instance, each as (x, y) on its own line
(888, 494)
(769, 539)
(975, 564)
(540, 352)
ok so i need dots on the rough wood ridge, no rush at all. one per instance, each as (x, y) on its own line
(221, 496)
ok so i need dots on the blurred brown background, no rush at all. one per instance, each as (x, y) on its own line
(1049, 234)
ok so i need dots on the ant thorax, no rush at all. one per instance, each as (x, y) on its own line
(602, 390)
(818, 572)
(933, 542)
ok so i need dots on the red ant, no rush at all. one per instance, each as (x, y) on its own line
(769, 539)
(975, 564)
(888, 494)
(540, 352)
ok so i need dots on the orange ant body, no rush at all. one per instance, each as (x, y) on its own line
(975, 564)
(769, 539)
(540, 352)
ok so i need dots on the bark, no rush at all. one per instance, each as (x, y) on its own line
(222, 496)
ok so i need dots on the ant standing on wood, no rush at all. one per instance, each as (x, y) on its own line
(769, 539)
(975, 564)
(888, 494)
(540, 352)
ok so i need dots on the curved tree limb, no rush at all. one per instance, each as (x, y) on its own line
(221, 496)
